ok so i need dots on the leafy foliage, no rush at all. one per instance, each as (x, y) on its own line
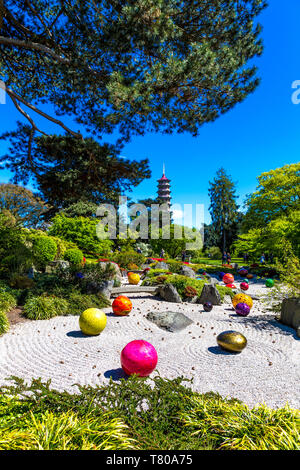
(74, 255)
(43, 307)
(44, 250)
(7, 302)
(81, 231)
(277, 195)
(22, 204)
(159, 414)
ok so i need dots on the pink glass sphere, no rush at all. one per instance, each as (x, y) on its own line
(139, 357)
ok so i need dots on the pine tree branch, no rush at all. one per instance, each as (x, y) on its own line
(32, 46)
(17, 97)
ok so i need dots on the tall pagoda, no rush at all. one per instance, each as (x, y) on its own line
(164, 192)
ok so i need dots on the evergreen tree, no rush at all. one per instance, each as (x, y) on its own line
(67, 170)
(129, 66)
(223, 209)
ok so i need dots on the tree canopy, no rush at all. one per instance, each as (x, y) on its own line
(277, 194)
(27, 208)
(129, 66)
(70, 171)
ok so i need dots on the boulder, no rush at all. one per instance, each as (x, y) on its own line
(57, 264)
(118, 274)
(290, 313)
(187, 271)
(169, 293)
(210, 294)
(162, 265)
(213, 281)
(170, 321)
(104, 288)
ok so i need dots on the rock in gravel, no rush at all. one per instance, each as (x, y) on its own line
(169, 293)
(290, 313)
(210, 294)
(170, 321)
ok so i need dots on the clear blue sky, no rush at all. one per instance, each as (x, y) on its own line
(258, 135)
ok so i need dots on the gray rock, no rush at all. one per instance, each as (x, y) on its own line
(57, 264)
(214, 281)
(191, 300)
(210, 294)
(290, 313)
(162, 265)
(170, 321)
(169, 293)
(117, 275)
(104, 288)
(187, 271)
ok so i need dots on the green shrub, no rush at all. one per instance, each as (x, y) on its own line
(4, 323)
(44, 250)
(214, 252)
(7, 302)
(160, 414)
(43, 307)
(74, 256)
(58, 431)
(78, 302)
(81, 231)
(231, 425)
(21, 282)
(182, 282)
(123, 259)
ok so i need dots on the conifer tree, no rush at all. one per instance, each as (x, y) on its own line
(223, 209)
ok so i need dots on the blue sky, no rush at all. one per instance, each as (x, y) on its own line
(258, 135)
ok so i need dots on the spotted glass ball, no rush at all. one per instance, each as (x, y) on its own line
(242, 309)
(208, 306)
(122, 305)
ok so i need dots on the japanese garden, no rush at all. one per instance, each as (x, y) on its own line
(140, 338)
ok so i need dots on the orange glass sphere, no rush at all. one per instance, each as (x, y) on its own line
(249, 276)
(122, 305)
(228, 279)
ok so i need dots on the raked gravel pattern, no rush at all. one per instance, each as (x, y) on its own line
(267, 371)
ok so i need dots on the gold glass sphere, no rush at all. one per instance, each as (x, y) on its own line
(232, 341)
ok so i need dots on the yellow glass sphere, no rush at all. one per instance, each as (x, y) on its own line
(133, 278)
(92, 321)
(242, 298)
(232, 341)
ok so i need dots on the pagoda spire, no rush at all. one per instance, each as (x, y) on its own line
(164, 192)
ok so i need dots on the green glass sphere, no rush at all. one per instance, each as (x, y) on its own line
(269, 283)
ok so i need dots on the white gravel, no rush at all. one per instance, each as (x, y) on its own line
(267, 370)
